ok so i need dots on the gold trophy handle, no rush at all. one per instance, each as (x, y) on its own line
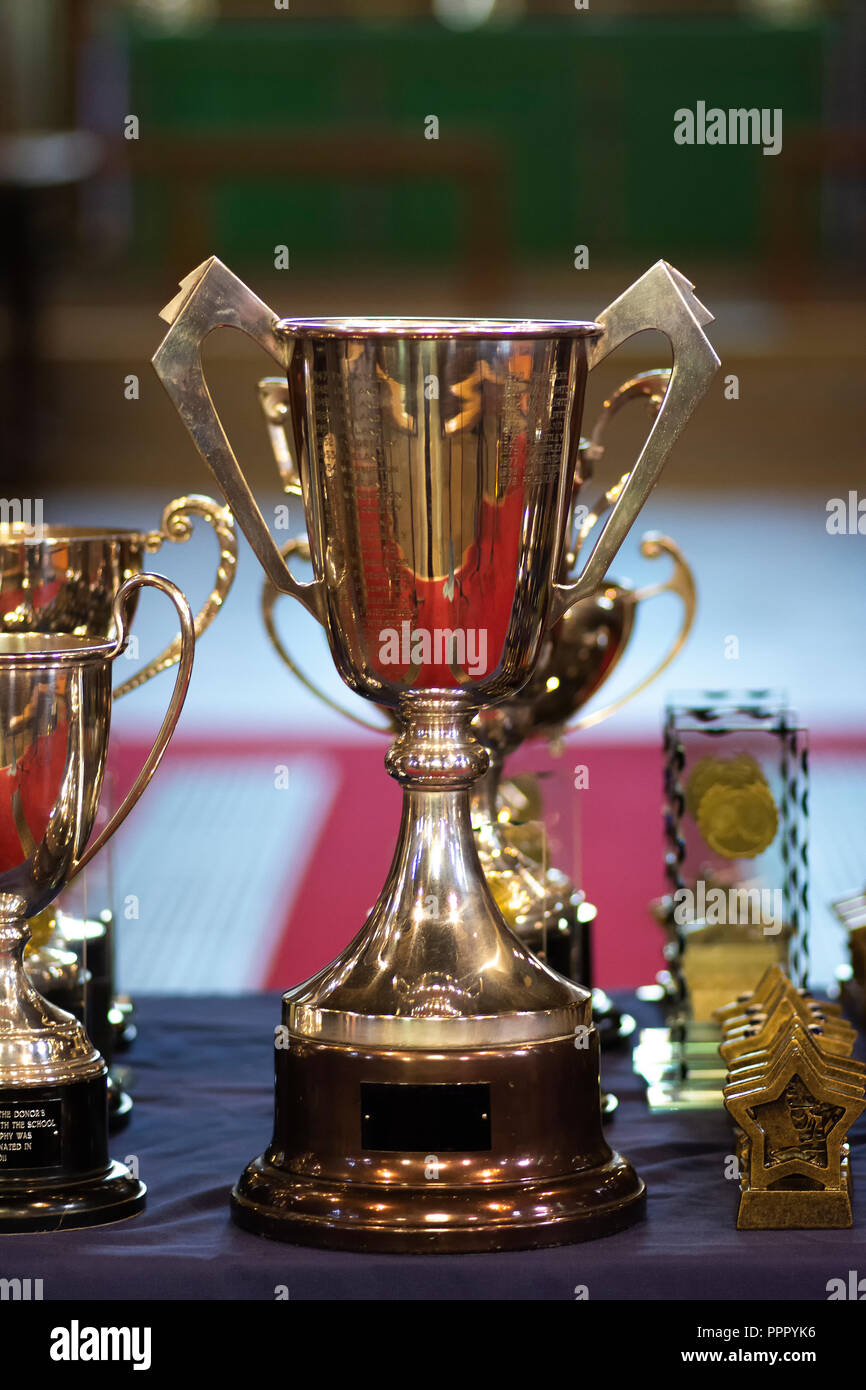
(178, 695)
(274, 400)
(682, 583)
(212, 297)
(648, 386)
(664, 300)
(300, 546)
(177, 525)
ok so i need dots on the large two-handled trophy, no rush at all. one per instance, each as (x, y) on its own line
(55, 708)
(62, 579)
(437, 1085)
(537, 899)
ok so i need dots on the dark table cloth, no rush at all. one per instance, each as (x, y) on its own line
(203, 1108)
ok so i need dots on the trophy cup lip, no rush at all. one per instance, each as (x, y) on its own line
(17, 533)
(431, 327)
(51, 648)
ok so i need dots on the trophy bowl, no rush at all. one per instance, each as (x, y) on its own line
(436, 1085)
(65, 579)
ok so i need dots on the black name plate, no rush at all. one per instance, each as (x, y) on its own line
(30, 1134)
(440, 1118)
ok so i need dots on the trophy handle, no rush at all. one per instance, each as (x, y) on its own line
(648, 386)
(177, 525)
(178, 695)
(212, 297)
(301, 546)
(274, 400)
(681, 583)
(662, 299)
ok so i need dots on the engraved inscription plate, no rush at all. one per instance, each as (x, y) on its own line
(30, 1133)
(433, 1118)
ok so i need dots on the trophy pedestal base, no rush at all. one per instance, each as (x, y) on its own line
(763, 1210)
(66, 1204)
(494, 1148)
(56, 1173)
(307, 1211)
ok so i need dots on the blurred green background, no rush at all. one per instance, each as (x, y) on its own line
(259, 126)
(574, 119)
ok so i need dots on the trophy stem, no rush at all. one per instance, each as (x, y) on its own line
(436, 963)
(437, 746)
(436, 884)
(25, 1016)
(14, 935)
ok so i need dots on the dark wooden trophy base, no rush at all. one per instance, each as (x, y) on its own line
(56, 1173)
(416, 1151)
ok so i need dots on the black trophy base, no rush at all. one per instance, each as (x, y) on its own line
(482, 1149)
(351, 1216)
(55, 1172)
(64, 1204)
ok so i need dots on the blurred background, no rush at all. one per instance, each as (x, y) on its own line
(295, 143)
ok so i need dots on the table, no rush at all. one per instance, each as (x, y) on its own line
(203, 1069)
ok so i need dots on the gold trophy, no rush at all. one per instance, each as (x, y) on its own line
(436, 1085)
(55, 707)
(65, 579)
(538, 901)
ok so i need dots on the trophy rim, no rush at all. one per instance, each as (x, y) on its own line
(362, 326)
(26, 648)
